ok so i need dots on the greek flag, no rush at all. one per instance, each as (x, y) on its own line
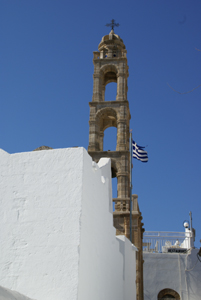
(139, 153)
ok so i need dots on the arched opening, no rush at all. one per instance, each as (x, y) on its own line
(111, 91)
(107, 118)
(110, 139)
(109, 76)
(114, 190)
(168, 294)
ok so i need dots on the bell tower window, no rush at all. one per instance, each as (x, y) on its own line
(111, 91)
(110, 139)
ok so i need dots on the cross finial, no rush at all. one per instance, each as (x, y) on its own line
(112, 24)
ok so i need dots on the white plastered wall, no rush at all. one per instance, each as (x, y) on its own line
(179, 272)
(102, 255)
(6, 294)
(40, 196)
(56, 228)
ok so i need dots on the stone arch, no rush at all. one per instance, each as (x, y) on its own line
(115, 166)
(168, 294)
(108, 74)
(105, 118)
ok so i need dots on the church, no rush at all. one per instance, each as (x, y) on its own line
(64, 237)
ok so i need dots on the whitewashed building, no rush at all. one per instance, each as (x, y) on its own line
(56, 226)
(172, 266)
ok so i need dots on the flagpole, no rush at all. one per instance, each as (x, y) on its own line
(131, 185)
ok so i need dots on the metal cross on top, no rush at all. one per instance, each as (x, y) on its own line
(112, 24)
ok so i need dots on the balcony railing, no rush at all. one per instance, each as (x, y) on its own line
(163, 242)
(121, 205)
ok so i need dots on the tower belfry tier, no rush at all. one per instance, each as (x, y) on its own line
(110, 65)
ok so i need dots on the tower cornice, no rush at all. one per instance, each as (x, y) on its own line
(109, 103)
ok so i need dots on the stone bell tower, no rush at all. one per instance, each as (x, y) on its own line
(110, 65)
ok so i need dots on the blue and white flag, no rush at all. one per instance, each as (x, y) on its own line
(139, 153)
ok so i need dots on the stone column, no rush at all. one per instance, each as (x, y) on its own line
(126, 226)
(122, 179)
(94, 143)
(101, 140)
(121, 135)
(97, 92)
(121, 87)
(103, 92)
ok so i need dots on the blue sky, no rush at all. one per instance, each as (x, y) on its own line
(46, 81)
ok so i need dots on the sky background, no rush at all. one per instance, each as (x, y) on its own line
(46, 82)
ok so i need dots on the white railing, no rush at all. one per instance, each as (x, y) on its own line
(163, 242)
